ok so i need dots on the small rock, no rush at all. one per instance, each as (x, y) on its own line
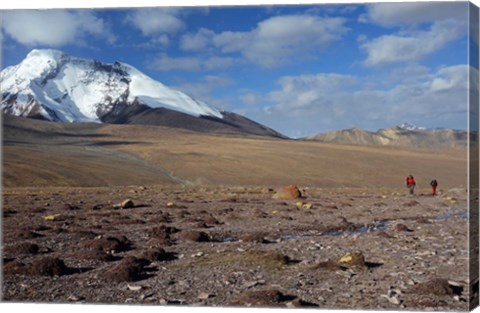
(294, 303)
(254, 283)
(346, 274)
(145, 296)
(133, 287)
(75, 298)
(307, 206)
(393, 300)
(127, 204)
(204, 296)
(55, 217)
(402, 227)
(352, 259)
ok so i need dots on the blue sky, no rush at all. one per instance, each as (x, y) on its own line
(301, 69)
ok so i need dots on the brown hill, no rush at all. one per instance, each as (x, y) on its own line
(231, 123)
(39, 153)
(439, 138)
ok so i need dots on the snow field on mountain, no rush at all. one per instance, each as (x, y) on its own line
(77, 90)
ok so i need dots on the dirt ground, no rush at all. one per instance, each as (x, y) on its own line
(38, 153)
(237, 246)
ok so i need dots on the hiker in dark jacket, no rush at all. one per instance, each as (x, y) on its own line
(410, 183)
(434, 185)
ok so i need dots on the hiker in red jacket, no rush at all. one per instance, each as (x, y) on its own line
(410, 183)
(434, 185)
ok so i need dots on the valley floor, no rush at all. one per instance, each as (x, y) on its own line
(237, 246)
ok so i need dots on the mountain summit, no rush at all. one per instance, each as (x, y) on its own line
(51, 85)
(410, 126)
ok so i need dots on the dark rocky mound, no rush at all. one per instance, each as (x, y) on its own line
(230, 124)
(108, 244)
(23, 248)
(436, 286)
(196, 236)
(158, 254)
(128, 269)
(48, 266)
(269, 298)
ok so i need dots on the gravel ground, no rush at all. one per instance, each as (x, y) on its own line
(237, 246)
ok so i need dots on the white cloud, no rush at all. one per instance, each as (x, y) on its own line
(198, 41)
(425, 28)
(408, 13)
(275, 41)
(154, 21)
(413, 45)
(162, 40)
(307, 91)
(450, 78)
(166, 63)
(203, 89)
(251, 98)
(329, 101)
(54, 27)
(278, 39)
(215, 62)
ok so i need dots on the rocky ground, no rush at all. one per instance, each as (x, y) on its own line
(237, 246)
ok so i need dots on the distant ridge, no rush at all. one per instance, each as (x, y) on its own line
(405, 135)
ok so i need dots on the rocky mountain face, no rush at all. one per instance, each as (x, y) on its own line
(406, 135)
(51, 85)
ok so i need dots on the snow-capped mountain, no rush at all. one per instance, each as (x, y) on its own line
(51, 85)
(410, 126)
(60, 87)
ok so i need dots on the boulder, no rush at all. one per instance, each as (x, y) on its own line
(287, 193)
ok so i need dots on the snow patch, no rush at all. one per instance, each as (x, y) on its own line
(410, 126)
